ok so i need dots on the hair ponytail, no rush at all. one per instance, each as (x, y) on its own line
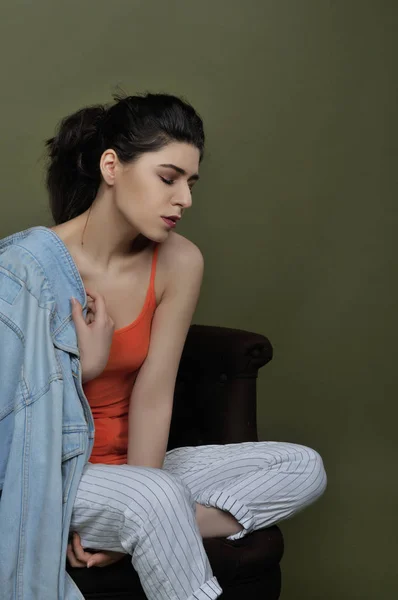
(73, 175)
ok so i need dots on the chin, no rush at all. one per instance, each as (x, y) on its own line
(157, 237)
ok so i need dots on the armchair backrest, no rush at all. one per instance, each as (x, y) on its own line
(215, 395)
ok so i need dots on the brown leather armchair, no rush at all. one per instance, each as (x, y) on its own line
(214, 403)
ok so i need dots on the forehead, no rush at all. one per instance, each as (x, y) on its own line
(181, 154)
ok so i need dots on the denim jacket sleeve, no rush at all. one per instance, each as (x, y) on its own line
(31, 406)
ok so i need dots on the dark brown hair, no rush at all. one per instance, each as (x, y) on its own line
(131, 126)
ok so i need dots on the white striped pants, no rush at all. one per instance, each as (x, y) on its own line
(150, 513)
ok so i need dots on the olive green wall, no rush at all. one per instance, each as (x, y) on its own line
(296, 216)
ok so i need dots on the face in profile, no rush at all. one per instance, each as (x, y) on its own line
(153, 192)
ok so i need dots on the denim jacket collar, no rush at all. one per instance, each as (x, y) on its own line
(54, 258)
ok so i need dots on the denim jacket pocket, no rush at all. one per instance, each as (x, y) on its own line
(9, 287)
(73, 445)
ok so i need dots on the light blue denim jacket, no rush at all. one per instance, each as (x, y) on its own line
(46, 426)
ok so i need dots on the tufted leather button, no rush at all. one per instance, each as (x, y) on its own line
(223, 378)
(255, 352)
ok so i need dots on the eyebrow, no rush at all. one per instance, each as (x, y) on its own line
(194, 177)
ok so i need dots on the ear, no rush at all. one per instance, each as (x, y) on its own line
(108, 165)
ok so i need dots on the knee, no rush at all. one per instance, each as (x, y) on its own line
(174, 484)
(167, 493)
(314, 478)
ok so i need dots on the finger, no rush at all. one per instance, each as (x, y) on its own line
(90, 314)
(90, 309)
(77, 313)
(100, 307)
(72, 558)
(77, 547)
(90, 318)
(91, 294)
(99, 559)
(103, 559)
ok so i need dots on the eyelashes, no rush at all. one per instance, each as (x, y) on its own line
(171, 181)
(167, 181)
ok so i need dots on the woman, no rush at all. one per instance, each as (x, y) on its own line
(120, 179)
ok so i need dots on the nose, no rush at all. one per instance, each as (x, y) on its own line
(184, 197)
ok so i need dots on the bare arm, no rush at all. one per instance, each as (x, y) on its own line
(151, 401)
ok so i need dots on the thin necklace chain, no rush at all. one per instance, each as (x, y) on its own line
(88, 216)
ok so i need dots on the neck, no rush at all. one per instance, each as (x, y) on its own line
(103, 235)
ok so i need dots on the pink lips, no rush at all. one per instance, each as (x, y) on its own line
(169, 222)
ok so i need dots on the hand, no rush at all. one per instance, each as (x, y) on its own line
(78, 557)
(94, 335)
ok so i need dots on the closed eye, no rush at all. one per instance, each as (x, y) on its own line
(171, 181)
(167, 181)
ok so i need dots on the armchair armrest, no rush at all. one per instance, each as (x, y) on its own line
(222, 350)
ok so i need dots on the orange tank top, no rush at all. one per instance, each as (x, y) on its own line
(109, 394)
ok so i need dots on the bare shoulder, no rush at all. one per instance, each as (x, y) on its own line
(178, 254)
(180, 265)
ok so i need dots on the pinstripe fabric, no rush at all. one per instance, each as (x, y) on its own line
(150, 513)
